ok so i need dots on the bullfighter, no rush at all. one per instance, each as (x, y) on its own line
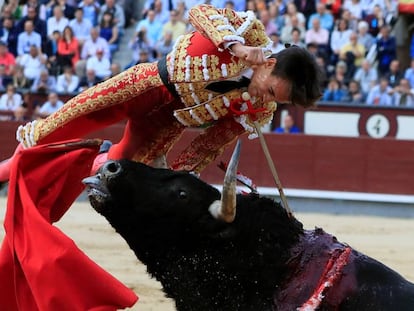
(160, 99)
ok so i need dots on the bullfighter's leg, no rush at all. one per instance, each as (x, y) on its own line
(208, 145)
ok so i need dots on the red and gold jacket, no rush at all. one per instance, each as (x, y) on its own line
(197, 59)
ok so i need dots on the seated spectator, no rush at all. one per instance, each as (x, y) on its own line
(395, 74)
(354, 94)
(19, 80)
(341, 73)
(67, 82)
(39, 24)
(403, 94)
(320, 36)
(353, 53)
(334, 92)
(386, 50)
(115, 69)
(89, 80)
(149, 29)
(7, 59)
(286, 32)
(381, 94)
(325, 16)
(67, 9)
(27, 39)
(339, 37)
(375, 20)
(174, 25)
(364, 37)
(297, 38)
(81, 27)
(270, 26)
(44, 84)
(409, 74)
(56, 22)
(40, 9)
(90, 10)
(33, 63)
(288, 126)
(116, 10)
(165, 45)
(109, 31)
(139, 43)
(9, 101)
(9, 35)
(143, 57)
(366, 76)
(52, 105)
(67, 49)
(292, 10)
(100, 64)
(276, 46)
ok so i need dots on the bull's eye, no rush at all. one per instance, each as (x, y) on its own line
(182, 194)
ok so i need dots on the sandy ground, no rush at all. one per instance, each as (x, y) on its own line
(390, 240)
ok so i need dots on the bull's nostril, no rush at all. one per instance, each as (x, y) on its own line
(112, 168)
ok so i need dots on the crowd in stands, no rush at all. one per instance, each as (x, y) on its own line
(60, 47)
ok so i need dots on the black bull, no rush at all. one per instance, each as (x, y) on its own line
(263, 260)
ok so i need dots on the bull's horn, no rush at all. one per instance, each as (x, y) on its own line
(225, 209)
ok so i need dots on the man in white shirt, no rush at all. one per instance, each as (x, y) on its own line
(81, 26)
(10, 101)
(28, 38)
(67, 82)
(53, 104)
(100, 64)
(33, 63)
(56, 22)
(381, 94)
(94, 43)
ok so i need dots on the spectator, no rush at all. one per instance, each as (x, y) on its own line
(174, 25)
(140, 42)
(288, 126)
(90, 10)
(165, 45)
(354, 94)
(333, 6)
(115, 69)
(364, 37)
(318, 35)
(7, 59)
(307, 7)
(89, 80)
(44, 84)
(380, 95)
(67, 9)
(39, 7)
(341, 73)
(386, 50)
(150, 27)
(339, 37)
(375, 20)
(33, 63)
(355, 9)
(94, 43)
(286, 34)
(161, 10)
(297, 38)
(9, 35)
(325, 17)
(109, 31)
(27, 39)
(403, 95)
(334, 92)
(4, 79)
(67, 49)
(395, 74)
(370, 6)
(39, 25)
(143, 56)
(10, 101)
(366, 76)
(56, 22)
(276, 46)
(52, 105)
(270, 26)
(353, 53)
(409, 74)
(293, 11)
(20, 82)
(81, 27)
(100, 64)
(67, 82)
(116, 10)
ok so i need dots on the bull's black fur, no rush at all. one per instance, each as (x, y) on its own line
(206, 264)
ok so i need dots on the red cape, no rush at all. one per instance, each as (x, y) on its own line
(40, 267)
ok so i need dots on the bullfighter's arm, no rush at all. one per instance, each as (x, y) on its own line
(225, 26)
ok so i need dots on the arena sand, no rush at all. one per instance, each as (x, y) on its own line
(390, 240)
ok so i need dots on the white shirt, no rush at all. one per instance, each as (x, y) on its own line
(26, 40)
(47, 108)
(54, 24)
(102, 67)
(32, 66)
(10, 103)
(65, 86)
(82, 29)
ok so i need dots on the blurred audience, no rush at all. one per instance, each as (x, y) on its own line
(288, 126)
(381, 94)
(44, 83)
(52, 105)
(10, 101)
(67, 82)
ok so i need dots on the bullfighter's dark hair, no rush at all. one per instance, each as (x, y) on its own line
(298, 66)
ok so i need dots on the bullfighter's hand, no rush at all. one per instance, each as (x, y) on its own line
(250, 54)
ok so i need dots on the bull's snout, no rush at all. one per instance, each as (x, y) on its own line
(111, 169)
